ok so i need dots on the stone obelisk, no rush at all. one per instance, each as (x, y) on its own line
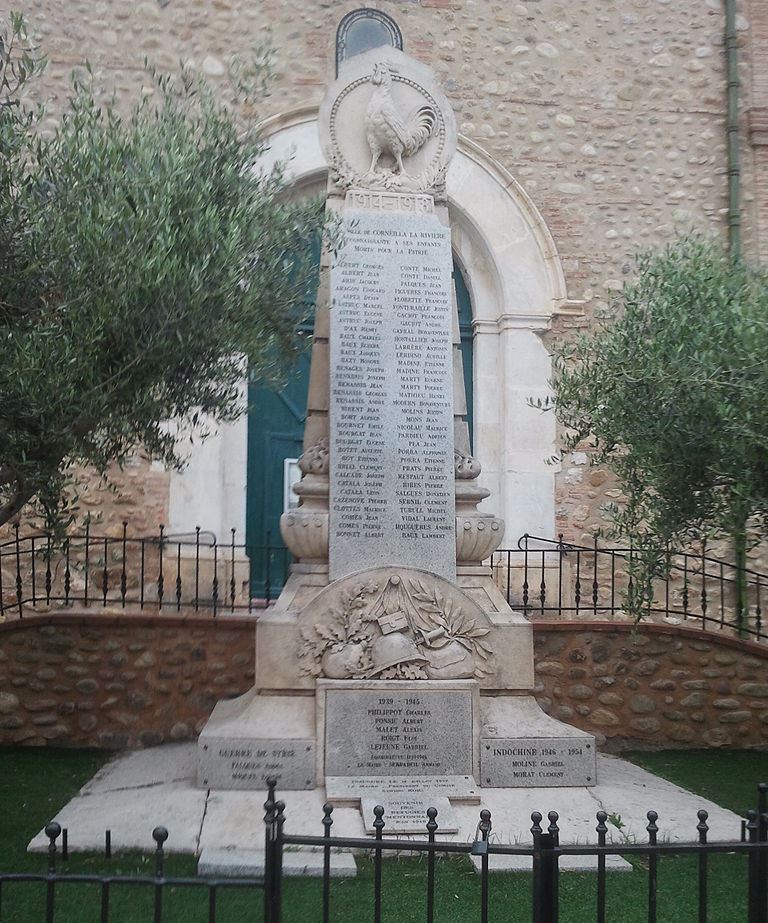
(391, 654)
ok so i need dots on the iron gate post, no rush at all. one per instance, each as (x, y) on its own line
(762, 858)
(545, 873)
(269, 827)
(757, 909)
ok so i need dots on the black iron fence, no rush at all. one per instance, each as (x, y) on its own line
(544, 853)
(163, 572)
(553, 577)
(196, 571)
(97, 891)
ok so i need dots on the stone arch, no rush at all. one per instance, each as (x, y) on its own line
(516, 284)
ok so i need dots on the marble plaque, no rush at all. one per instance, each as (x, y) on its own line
(391, 396)
(345, 789)
(531, 762)
(388, 732)
(234, 763)
(408, 814)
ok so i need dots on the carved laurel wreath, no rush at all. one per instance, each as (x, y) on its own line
(344, 624)
(446, 614)
(349, 626)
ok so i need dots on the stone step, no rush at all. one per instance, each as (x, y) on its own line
(249, 863)
(567, 864)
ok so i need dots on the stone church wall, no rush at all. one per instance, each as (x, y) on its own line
(611, 116)
(132, 681)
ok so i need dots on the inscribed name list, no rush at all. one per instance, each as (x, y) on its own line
(391, 402)
(414, 732)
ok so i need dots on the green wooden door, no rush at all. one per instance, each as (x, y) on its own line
(275, 433)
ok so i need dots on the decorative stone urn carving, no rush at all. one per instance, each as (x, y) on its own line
(315, 459)
(305, 530)
(305, 534)
(478, 534)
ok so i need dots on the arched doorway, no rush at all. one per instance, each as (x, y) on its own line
(275, 433)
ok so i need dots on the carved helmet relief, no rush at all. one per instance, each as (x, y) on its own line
(385, 124)
(394, 623)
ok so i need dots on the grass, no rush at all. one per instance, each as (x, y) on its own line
(35, 783)
(727, 777)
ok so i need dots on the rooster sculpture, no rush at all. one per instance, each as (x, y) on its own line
(386, 131)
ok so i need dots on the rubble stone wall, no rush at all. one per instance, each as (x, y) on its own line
(610, 115)
(118, 681)
(134, 681)
(653, 687)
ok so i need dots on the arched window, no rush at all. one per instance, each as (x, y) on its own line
(364, 29)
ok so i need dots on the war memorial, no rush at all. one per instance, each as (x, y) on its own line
(391, 670)
(393, 682)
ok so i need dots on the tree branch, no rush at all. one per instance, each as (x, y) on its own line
(22, 496)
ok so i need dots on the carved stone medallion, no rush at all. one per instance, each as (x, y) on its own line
(394, 623)
(386, 125)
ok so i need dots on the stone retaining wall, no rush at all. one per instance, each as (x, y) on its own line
(118, 681)
(654, 687)
(132, 681)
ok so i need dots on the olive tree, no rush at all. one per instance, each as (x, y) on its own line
(672, 397)
(144, 261)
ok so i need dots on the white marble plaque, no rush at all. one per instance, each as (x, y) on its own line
(409, 814)
(235, 763)
(388, 732)
(531, 762)
(345, 789)
(391, 402)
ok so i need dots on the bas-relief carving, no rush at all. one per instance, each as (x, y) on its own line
(466, 467)
(386, 125)
(394, 624)
(388, 130)
(314, 459)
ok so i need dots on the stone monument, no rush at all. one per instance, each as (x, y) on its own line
(391, 664)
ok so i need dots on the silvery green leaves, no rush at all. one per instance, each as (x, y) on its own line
(671, 397)
(145, 266)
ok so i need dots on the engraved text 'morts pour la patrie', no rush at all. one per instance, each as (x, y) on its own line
(391, 490)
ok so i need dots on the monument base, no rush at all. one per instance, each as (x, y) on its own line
(522, 747)
(390, 738)
(250, 738)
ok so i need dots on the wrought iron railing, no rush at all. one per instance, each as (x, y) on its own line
(197, 572)
(544, 852)
(165, 572)
(551, 577)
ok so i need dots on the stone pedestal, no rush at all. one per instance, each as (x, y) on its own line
(253, 737)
